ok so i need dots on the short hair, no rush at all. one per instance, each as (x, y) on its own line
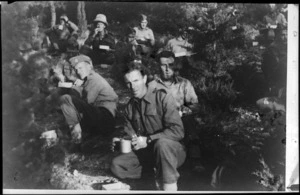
(169, 54)
(133, 65)
(165, 54)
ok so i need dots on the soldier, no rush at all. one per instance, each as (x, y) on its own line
(274, 65)
(144, 38)
(63, 37)
(185, 97)
(182, 49)
(153, 116)
(94, 112)
(180, 45)
(100, 44)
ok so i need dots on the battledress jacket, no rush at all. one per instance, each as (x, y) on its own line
(158, 116)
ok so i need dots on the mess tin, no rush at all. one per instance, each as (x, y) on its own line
(65, 84)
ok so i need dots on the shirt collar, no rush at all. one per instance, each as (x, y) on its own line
(140, 28)
(175, 80)
(89, 76)
(148, 96)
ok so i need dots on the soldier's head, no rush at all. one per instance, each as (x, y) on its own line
(168, 67)
(135, 77)
(63, 19)
(143, 21)
(100, 22)
(82, 64)
(183, 33)
(281, 35)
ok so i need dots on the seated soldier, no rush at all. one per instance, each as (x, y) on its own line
(64, 73)
(274, 64)
(182, 48)
(274, 20)
(153, 116)
(185, 97)
(94, 112)
(63, 37)
(144, 38)
(100, 44)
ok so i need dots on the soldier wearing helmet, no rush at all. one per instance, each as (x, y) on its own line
(100, 44)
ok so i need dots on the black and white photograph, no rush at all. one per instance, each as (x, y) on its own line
(149, 97)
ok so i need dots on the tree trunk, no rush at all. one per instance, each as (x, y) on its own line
(81, 16)
(53, 13)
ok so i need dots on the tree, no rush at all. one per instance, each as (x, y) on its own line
(53, 13)
(81, 16)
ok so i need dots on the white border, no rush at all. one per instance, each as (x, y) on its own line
(292, 120)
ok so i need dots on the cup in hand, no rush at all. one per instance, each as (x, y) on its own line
(125, 146)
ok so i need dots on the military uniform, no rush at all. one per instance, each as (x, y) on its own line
(63, 39)
(97, 54)
(154, 115)
(178, 45)
(181, 89)
(142, 36)
(96, 108)
(186, 102)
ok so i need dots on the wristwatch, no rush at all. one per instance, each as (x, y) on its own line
(149, 140)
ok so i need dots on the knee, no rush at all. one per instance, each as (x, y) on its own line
(162, 144)
(115, 166)
(64, 99)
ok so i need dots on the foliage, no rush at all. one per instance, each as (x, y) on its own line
(268, 179)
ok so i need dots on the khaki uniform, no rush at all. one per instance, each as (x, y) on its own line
(181, 89)
(178, 45)
(154, 115)
(96, 109)
(142, 37)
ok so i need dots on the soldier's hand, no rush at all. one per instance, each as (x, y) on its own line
(139, 142)
(78, 82)
(113, 143)
(76, 135)
(96, 31)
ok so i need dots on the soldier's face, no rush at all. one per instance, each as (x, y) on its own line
(166, 67)
(144, 24)
(83, 69)
(283, 35)
(100, 26)
(62, 22)
(136, 82)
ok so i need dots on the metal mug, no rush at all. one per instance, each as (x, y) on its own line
(125, 146)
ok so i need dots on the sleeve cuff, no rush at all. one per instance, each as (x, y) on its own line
(155, 136)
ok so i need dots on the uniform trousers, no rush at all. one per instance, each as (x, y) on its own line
(92, 119)
(164, 154)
